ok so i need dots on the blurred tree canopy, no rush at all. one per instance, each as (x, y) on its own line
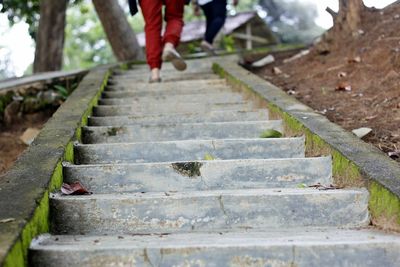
(86, 44)
(25, 10)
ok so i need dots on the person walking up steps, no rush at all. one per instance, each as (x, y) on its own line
(215, 13)
(161, 48)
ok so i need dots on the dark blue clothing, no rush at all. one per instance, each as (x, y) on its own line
(215, 12)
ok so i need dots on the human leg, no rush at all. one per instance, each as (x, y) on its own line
(152, 14)
(174, 19)
(218, 9)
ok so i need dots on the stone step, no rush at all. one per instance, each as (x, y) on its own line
(166, 108)
(179, 91)
(218, 210)
(296, 247)
(210, 98)
(201, 175)
(166, 87)
(213, 116)
(189, 131)
(171, 77)
(166, 71)
(189, 150)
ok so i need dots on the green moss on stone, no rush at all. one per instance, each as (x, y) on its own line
(40, 223)
(69, 152)
(384, 207)
(16, 256)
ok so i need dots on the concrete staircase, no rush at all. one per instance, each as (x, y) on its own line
(180, 177)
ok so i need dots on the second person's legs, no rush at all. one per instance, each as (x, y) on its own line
(217, 11)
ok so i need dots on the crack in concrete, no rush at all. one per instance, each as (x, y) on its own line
(221, 205)
(204, 182)
(146, 257)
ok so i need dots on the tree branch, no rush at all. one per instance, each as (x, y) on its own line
(331, 12)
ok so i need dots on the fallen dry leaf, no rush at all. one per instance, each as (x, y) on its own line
(355, 60)
(75, 188)
(343, 86)
(371, 117)
(342, 74)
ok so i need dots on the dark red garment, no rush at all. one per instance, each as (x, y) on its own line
(152, 13)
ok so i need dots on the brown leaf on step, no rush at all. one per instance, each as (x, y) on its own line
(75, 188)
(371, 117)
(343, 86)
(324, 187)
(355, 60)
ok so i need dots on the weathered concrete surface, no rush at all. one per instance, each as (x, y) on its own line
(190, 131)
(211, 116)
(177, 87)
(215, 210)
(25, 186)
(210, 98)
(166, 108)
(296, 247)
(189, 150)
(372, 163)
(172, 77)
(201, 175)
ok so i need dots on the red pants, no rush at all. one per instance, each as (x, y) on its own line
(152, 13)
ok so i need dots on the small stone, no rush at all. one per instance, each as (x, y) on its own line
(277, 71)
(29, 135)
(264, 61)
(362, 132)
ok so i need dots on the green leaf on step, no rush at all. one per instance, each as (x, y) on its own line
(208, 156)
(271, 133)
(302, 186)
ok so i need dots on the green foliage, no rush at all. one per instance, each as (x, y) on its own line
(86, 44)
(85, 41)
(19, 10)
(228, 43)
(25, 10)
(61, 90)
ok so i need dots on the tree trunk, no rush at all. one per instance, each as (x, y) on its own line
(350, 15)
(50, 36)
(347, 22)
(119, 33)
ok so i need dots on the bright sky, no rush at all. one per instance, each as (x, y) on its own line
(16, 42)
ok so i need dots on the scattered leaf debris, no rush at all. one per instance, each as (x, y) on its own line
(75, 188)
